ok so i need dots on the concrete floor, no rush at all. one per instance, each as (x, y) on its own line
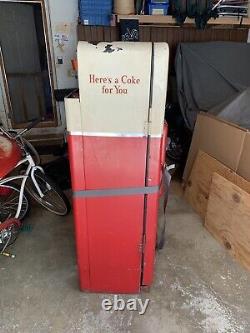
(197, 288)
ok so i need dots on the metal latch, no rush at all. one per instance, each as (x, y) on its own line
(142, 245)
(148, 127)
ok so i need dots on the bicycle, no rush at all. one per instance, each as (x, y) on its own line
(29, 180)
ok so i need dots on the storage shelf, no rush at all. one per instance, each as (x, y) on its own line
(171, 34)
(169, 20)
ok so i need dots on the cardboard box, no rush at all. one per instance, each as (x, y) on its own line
(225, 141)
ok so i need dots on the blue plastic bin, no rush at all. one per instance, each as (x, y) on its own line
(96, 19)
(158, 1)
(95, 12)
(158, 8)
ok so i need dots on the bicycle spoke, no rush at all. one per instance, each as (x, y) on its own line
(52, 199)
(9, 204)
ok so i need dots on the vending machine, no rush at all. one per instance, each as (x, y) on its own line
(117, 144)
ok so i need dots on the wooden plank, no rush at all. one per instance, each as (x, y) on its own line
(228, 218)
(81, 32)
(107, 34)
(145, 34)
(172, 35)
(100, 33)
(94, 33)
(198, 186)
(169, 20)
(114, 34)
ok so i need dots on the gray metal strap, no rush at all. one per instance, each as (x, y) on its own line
(116, 192)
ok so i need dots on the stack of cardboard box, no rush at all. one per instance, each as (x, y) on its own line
(217, 182)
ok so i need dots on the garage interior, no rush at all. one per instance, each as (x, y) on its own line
(201, 249)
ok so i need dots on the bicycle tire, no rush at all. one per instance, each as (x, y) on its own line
(9, 232)
(62, 207)
(7, 212)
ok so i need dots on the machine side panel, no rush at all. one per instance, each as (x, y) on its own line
(156, 161)
(115, 229)
(114, 162)
(150, 239)
(75, 146)
(114, 223)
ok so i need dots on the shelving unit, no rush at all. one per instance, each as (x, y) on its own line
(165, 29)
(169, 20)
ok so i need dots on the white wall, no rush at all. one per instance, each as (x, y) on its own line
(63, 18)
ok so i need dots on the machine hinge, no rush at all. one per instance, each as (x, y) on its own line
(142, 244)
(148, 127)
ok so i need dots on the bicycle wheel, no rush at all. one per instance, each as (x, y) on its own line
(9, 199)
(9, 231)
(54, 199)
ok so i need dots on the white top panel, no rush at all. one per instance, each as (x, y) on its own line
(114, 82)
(160, 86)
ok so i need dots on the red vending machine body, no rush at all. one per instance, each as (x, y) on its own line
(115, 148)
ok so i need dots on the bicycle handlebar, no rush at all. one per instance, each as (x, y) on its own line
(5, 132)
(33, 123)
